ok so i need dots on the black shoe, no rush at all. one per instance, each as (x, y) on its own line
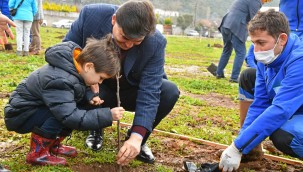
(94, 140)
(212, 68)
(220, 76)
(2, 169)
(146, 155)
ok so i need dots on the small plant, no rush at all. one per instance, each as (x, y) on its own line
(168, 21)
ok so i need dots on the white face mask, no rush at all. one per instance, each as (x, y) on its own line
(267, 57)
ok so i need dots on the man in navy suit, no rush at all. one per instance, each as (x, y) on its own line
(234, 32)
(144, 87)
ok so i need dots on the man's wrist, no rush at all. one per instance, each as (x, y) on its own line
(140, 130)
(137, 134)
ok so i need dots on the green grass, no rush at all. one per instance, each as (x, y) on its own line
(186, 62)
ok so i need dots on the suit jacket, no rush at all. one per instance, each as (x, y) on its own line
(144, 63)
(238, 16)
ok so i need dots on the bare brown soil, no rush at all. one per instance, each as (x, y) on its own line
(173, 152)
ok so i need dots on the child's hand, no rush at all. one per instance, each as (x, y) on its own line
(96, 101)
(117, 113)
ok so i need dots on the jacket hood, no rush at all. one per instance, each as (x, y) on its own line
(61, 56)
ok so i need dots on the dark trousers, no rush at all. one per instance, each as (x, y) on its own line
(43, 119)
(168, 98)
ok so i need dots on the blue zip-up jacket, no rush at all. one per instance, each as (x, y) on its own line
(26, 11)
(278, 96)
(4, 8)
(293, 9)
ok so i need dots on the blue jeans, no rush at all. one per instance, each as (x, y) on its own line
(231, 42)
(43, 119)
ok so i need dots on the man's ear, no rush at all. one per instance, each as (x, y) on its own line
(88, 66)
(283, 39)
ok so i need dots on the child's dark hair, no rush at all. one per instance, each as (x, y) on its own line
(102, 53)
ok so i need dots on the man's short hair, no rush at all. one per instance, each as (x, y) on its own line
(272, 21)
(136, 18)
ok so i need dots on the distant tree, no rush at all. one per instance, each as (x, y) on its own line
(184, 21)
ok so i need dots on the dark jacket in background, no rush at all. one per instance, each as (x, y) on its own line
(238, 16)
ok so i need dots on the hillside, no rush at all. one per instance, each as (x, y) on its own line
(204, 9)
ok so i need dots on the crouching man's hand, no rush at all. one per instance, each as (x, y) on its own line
(230, 159)
(130, 149)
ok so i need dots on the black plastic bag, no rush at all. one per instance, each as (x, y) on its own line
(205, 167)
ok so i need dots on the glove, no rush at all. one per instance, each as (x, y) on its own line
(230, 159)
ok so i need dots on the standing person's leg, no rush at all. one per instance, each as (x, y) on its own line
(226, 53)
(19, 36)
(35, 45)
(240, 49)
(289, 138)
(27, 29)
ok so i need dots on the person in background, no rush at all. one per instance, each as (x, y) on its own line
(277, 109)
(4, 8)
(234, 32)
(248, 76)
(35, 45)
(5, 11)
(51, 101)
(4, 28)
(23, 19)
(144, 87)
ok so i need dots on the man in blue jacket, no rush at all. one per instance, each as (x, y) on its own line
(144, 88)
(248, 76)
(277, 109)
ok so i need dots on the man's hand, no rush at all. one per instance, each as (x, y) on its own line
(4, 21)
(130, 149)
(230, 159)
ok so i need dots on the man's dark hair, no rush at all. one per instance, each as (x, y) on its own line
(136, 18)
(272, 21)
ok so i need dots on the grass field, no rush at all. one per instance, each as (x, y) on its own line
(186, 61)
